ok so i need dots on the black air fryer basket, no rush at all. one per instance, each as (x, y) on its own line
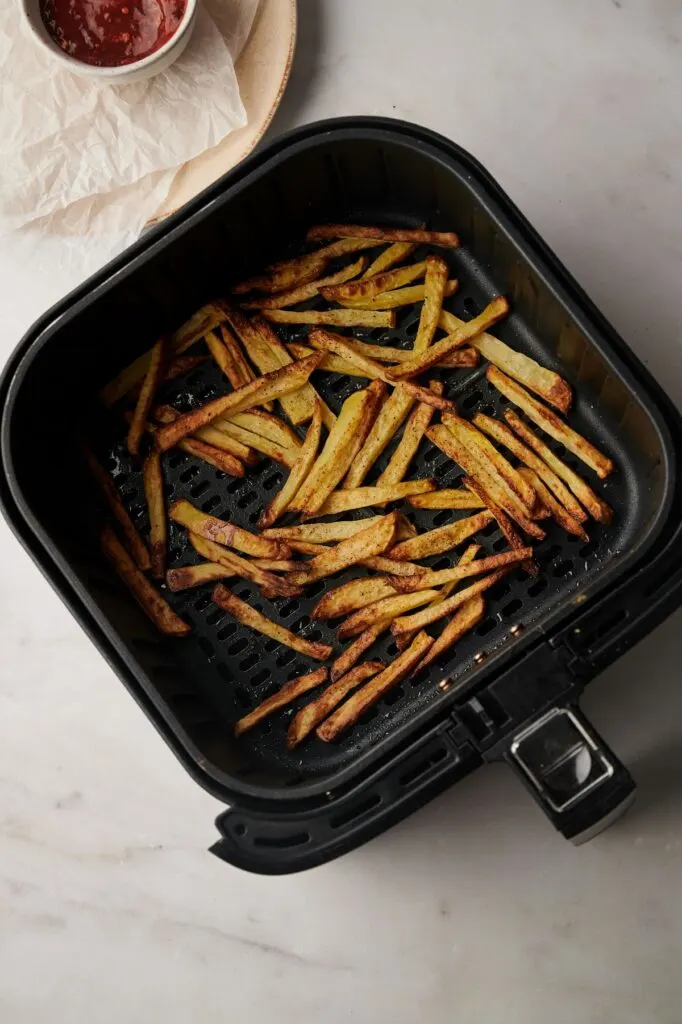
(511, 689)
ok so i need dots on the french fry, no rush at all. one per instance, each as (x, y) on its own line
(431, 579)
(428, 397)
(304, 462)
(363, 497)
(312, 714)
(551, 423)
(326, 341)
(215, 457)
(211, 528)
(597, 508)
(152, 478)
(354, 651)
(288, 693)
(144, 592)
(503, 521)
(208, 444)
(413, 433)
(557, 510)
(221, 357)
(194, 575)
(399, 297)
(395, 253)
(389, 354)
(501, 433)
(437, 611)
(306, 547)
(219, 439)
(434, 542)
(350, 596)
(462, 622)
(366, 544)
(367, 288)
(307, 291)
(527, 371)
(435, 283)
(375, 689)
(272, 385)
(321, 232)
(330, 363)
(321, 533)
(265, 424)
(403, 640)
(333, 317)
(240, 370)
(510, 479)
(449, 497)
(149, 387)
(194, 329)
(383, 612)
(248, 616)
(177, 368)
(494, 311)
(243, 568)
(285, 274)
(382, 564)
(133, 541)
(390, 417)
(285, 456)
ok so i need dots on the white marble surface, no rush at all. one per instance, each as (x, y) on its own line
(473, 910)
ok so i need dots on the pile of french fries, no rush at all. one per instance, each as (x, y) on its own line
(511, 476)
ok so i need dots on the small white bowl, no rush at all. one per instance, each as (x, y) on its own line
(125, 73)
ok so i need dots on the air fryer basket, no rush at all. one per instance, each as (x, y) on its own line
(367, 171)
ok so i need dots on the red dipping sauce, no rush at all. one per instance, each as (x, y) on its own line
(110, 33)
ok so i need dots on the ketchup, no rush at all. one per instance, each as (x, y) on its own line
(109, 33)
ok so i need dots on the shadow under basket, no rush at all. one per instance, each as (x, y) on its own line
(510, 690)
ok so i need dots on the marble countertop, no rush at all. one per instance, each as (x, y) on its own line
(473, 910)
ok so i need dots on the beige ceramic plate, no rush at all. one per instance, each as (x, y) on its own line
(262, 71)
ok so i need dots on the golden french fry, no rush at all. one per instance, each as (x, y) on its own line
(321, 533)
(306, 547)
(362, 497)
(221, 460)
(265, 424)
(194, 329)
(286, 456)
(597, 508)
(367, 288)
(243, 568)
(503, 521)
(333, 317)
(366, 544)
(248, 616)
(312, 714)
(307, 291)
(272, 385)
(290, 273)
(304, 462)
(507, 477)
(527, 371)
(330, 362)
(557, 510)
(501, 433)
(462, 622)
(211, 528)
(354, 594)
(145, 593)
(431, 356)
(152, 478)
(133, 541)
(403, 640)
(353, 652)
(149, 387)
(219, 439)
(385, 354)
(409, 443)
(207, 443)
(395, 253)
(437, 611)
(240, 369)
(374, 690)
(326, 341)
(551, 423)
(449, 497)
(428, 397)
(321, 232)
(390, 417)
(431, 579)
(194, 575)
(221, 356)
(383, 612)
(435, 282)
(399, 297)
(434, 542)
(288, 693)
(382, 564)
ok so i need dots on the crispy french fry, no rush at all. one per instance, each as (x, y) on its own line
(383, 612)
(221, 460)
(306, 547)
(133, 541)
(434, 542)
(326, 341)
(194, 575)
(557, 510)
(428, 397)
(382, 564)
(435, 283)
(321, 533)
(462, 622)
(354, 651)
(367, 288)
(152, 477)
(413, 433)
(395, 253)
(244, 568)
(333, 317)
(219, 439)
(272, 385)
(321, 232)
(211, 528)
(374, 690)
(362, 497)
(354, 594)
(597, 508)
(285, 456)
(145, 593)
(390, 417)
(288, 693)
(431, 579)
(304, 462)
(208, 444)
(307, 291)
(449, 497)
(366, 544)
(248, 616)
(503, 521)
(290, 273)
(398, 297)
(501, 433)
(437, 611)
(330, 363)
(240, 370)
(312, 714)
(388, 354)
(265, 424)
(194, 329)
(551, 423)
(149, 387)
(509, 478)
(431, 356)
(403, 640)
(221, 356)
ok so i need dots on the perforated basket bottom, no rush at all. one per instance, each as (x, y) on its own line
(235, 668)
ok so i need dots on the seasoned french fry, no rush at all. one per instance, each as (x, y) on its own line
(219, 439)
(509, 478)
(437, 611)
(384, 611)
(297, 271)
(221, 460)
(503, 521)
(149, 387)
(240, 370)
(321, 533)
(428, 397)
(449, 497)
(353, 652)
(334, 317)
(205, 319)
(395, 253)
(367, 288)
(330, 363)
(388, 354)
(551, 423)
(403, 640)
(430, 579)
(382, 564)
(413, 433)
(286, 456)
(326, 341)
(398, 297)
(431, 356)
(144, 592)
(362, 497)
(374, 690)
(304, 462)
(221, 356)
(306, 547)
(133, 541)
(194, 575)
(312, 714)
(347, 597)
(211, 528)
(321, 232)
(462, 622)
(265, 424)
(307, 291)
(557, 510)
(248, 616)
(597, 508)
(272, 385)
(288, 693)
(205, 441)
(242, 567)
(527, 371)
(390, 417)
(366, 544)
(501, 433)
(152, 478)
(434, 542)
(435, 283)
